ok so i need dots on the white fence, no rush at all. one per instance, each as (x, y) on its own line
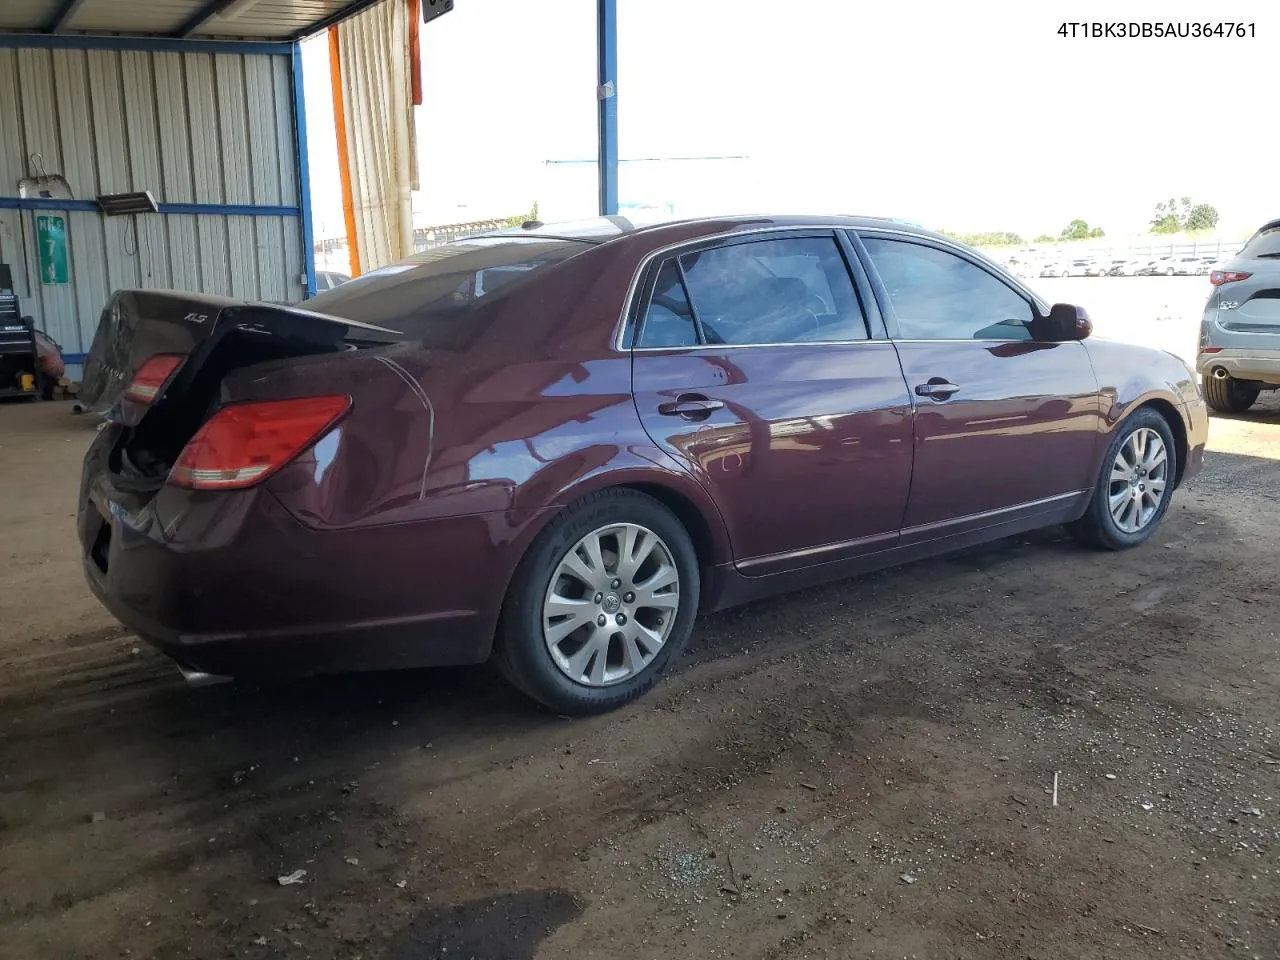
(1151, 248)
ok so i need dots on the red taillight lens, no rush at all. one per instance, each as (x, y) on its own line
(1210, 349)
(244, 444)
(1219, 277)
(152, 376)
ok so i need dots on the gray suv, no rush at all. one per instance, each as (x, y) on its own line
(1240, 334)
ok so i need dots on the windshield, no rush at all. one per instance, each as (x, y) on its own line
(426, 295)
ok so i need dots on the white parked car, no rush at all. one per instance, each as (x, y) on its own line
(1159, 267)
(1190, 266)
(1125, 267)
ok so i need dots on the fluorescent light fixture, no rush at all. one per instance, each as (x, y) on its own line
(119, 204)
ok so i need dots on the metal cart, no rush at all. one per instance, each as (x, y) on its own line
(19, 360)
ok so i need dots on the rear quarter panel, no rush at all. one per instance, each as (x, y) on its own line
(505, 426)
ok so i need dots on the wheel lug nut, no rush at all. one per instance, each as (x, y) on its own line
(602, 620)
(629, 598)
(616, 584)
(659, 621)
(622, 619)
(599, 597)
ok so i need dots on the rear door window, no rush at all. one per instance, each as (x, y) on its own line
(668, 320)
(762, 292)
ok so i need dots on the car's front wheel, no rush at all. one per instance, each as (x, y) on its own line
(1134, 487)
(1229, 395)
(601, 604)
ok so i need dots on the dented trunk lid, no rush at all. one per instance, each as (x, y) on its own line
(212, 334)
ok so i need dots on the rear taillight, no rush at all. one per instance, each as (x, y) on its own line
(1210, 349)
(152, 376)
(1219, 277)
(245, 443)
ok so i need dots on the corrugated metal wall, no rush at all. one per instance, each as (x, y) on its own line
(190, 127)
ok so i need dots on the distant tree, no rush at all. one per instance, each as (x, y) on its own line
(1044, 238)
(524, 217)
(1166, 218)
(1080, 230)
(1202, 216)
(1175, 216)
(995, 238)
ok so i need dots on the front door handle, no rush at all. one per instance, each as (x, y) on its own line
(691, 406)
(938, 388)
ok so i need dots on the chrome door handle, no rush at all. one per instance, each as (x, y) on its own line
(691, 406)
(937, 389)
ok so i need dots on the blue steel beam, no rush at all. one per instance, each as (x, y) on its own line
(62, 16)
(70, 41)
(202, 16)
(304, 171)
(194, 209)
(324, 23)
(607, 95)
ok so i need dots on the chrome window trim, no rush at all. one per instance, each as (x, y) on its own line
(620, 325)
(798, 343)
(983, 262)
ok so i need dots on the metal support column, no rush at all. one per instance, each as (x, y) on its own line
(304, 172)
(607, 94)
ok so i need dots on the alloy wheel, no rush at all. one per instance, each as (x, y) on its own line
(611, 604)
(1139, 478)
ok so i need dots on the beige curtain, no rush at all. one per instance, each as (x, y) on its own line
(375, 83)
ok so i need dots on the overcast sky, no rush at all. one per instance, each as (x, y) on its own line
(971, 116)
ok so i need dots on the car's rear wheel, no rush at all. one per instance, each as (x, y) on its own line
(1135, 485)
(601, 604)
(1229, 395)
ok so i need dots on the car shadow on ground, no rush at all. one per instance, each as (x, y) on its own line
(113, 701)
(107, 692)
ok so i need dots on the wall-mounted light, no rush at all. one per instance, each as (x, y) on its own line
(120, 204)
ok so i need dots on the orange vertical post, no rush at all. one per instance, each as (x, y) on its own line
(344, 157)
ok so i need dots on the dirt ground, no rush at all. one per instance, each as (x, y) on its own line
(864, 770)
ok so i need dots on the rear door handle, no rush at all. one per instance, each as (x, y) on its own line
(691, 406)
(938, 388)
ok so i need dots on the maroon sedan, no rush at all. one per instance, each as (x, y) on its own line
(555, 447)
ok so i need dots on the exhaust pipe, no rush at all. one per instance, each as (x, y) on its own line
(1220, 373)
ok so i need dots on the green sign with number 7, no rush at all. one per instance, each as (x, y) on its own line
(51, 239)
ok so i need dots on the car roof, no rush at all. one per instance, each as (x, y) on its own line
(604, 229)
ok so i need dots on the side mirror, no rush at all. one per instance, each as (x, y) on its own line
(1066, 322)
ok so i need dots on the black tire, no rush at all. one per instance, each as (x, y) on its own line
(1229, 395)
(1097, 528)
(520, 651)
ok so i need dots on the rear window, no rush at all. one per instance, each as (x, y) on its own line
(426, 295)
(1264, 243)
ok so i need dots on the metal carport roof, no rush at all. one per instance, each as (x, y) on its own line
(223, 24)
(273, 20)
